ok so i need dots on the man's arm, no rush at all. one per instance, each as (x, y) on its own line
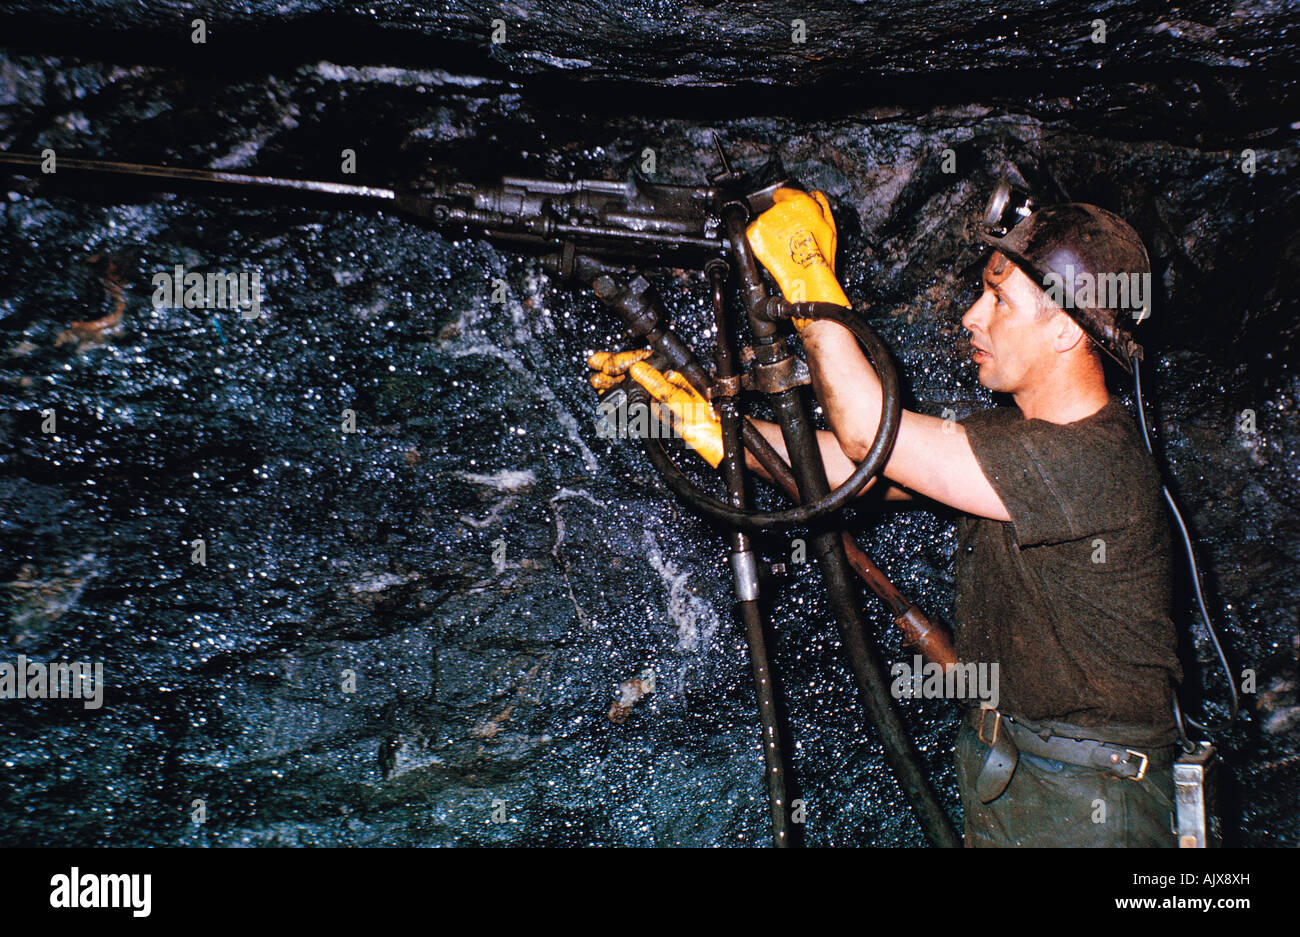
(795, 241)
(838, 465)
(931, 456)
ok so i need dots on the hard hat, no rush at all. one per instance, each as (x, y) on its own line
(1086, 259)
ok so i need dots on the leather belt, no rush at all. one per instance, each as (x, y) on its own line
(1006, 737)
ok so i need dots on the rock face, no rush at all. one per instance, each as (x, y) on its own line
(717, 44)
(412, 624)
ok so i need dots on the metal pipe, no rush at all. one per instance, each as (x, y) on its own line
(745, 568)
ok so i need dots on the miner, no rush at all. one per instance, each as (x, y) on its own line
(1063, 556)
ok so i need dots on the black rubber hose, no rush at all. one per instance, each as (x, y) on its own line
(1192, 566)
(813, 510)
(867, 670)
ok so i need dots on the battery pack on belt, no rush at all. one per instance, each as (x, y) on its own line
(1195, 777)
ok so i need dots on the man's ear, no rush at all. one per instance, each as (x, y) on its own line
(1067, 333)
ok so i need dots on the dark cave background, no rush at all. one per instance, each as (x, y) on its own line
(482, 695)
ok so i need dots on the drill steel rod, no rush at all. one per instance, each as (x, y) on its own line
(207, 176)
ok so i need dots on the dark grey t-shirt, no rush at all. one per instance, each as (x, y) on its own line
(1071, 597)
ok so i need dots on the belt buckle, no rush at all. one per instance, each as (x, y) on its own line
(979, 730)
(1142, 771)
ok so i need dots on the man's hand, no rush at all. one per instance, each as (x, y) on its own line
(692, 414)
(795, 241)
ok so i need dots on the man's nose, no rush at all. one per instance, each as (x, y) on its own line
(975, 314)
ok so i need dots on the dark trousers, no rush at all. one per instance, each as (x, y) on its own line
(1050, 803)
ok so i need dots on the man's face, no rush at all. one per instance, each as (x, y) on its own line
(1011, 341)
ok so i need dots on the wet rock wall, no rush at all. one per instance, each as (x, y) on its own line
(412, 633)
